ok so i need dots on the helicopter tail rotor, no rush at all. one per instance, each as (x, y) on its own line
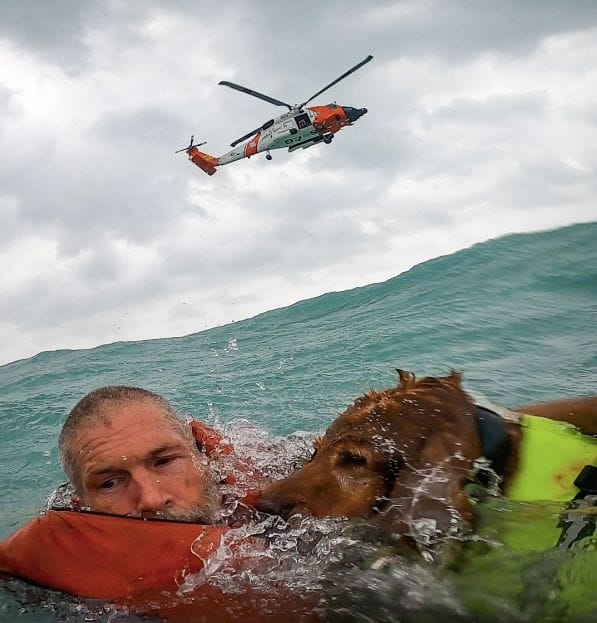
(204, 161)
(191, 145)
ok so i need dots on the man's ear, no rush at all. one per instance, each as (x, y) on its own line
(75, 501)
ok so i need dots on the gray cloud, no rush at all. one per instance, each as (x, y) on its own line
(53, 31)
(474, 111)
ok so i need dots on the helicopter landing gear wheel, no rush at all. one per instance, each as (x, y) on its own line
(268, 156)
(327, 139)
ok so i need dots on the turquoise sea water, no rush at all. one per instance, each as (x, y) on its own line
(517, 315)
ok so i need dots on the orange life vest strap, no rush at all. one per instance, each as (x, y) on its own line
(209, 440)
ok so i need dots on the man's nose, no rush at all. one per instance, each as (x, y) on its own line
(150, 493)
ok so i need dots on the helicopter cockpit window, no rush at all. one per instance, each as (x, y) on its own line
(302, 121)
(267, 124)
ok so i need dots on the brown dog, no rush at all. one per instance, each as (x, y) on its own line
(404, 455)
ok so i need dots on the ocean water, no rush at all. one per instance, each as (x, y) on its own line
(516, 315)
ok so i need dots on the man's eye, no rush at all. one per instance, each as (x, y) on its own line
(164, 460)
(108, 484)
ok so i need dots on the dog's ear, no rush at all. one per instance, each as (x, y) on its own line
(455, 378)
(405, 379)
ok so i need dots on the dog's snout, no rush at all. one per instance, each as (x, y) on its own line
(274, 505)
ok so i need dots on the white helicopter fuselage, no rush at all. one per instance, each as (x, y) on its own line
(296, 129)
(284, 131)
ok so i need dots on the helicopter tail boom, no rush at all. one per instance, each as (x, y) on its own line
(204, 161)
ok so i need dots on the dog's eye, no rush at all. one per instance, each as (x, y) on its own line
(351, 458)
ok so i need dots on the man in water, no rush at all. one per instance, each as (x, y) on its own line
(133, 462)
(126, 451)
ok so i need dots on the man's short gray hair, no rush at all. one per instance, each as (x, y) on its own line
(90, 410)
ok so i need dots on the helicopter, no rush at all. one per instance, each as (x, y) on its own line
(299, 128)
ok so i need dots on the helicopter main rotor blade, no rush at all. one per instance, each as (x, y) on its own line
(245, 137)
(261, 96)
(344, 75)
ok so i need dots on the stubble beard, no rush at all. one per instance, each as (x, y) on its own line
(204, 513)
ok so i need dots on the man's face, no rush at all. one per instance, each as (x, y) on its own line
(135, 462)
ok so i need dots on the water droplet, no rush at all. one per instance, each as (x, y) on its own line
(232, 345)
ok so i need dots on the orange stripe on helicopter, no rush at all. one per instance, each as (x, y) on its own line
(251, 146)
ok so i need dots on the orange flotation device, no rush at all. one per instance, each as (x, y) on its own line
(107, 557)
(113, 557)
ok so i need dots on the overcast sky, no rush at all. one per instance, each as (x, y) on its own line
(482, 121)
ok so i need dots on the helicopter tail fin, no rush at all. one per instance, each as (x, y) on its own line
(204, 161)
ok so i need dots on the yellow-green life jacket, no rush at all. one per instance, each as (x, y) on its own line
(551, 455)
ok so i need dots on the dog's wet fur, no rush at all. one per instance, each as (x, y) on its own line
(402, 456)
